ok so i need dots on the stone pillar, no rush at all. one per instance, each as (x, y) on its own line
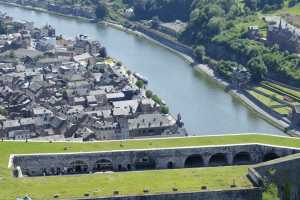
(206, 160)
(229, 157)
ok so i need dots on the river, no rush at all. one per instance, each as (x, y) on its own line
(205, 108)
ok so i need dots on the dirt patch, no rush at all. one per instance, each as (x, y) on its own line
(293, 19)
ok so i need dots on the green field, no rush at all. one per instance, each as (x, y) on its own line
(271, 103)
(275, 96)
(126, 183)
(42, 188)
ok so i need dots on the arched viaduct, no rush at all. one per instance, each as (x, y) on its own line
(149, 159)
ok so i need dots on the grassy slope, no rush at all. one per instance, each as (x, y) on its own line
(131, 182)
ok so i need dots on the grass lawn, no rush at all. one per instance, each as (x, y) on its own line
(126, 183)
(272, 104)
(269, 92)
(281, 108)
(293, 10)
(42, 188)
(288, 91)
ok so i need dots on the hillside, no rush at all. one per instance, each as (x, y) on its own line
(213, 26)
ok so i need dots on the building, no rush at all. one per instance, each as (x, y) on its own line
(284, 34)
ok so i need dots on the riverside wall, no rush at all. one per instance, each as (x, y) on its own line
(165, 40)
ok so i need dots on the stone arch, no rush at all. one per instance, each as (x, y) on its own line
(218, 159)
(104, 165)
(192, 161)
(242, 158)
(270, 156)
(78, 166)
(144, 163)
(170, 165)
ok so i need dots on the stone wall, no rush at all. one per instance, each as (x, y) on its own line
(171, 43)
(239, 194)
(128, 160)
(283, 172)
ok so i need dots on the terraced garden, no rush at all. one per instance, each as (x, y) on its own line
(277, 97)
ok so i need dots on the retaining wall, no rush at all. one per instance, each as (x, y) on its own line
(238, 194)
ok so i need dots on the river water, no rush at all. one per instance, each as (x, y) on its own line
(205, 108)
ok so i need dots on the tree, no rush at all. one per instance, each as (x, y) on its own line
(149, 93)
(251, 4)
(257, 68)
(140, 84)
(200, 52)
(101, 11)
(156, 99)
(165, 110)
(2, 28)
(103, 52)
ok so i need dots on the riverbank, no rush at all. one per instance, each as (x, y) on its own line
(207, 71)
(250, 105)
(44, 10)
(119, 27)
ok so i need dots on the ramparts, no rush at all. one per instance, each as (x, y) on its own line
(131, 160)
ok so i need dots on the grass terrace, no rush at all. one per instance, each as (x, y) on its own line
(275, 96)
(127, 183)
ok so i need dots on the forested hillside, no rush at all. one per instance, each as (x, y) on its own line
(217, 31)
(166, 10)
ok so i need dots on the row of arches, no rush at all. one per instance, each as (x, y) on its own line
(148, 163)
(220, 159)
(143, 163)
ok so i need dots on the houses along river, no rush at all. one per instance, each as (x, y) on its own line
(205, 108)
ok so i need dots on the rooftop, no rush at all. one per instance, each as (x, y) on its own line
(105, 184)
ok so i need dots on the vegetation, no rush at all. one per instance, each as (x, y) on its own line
(165, 10)
(271, 193)
(277, 97)
(149, 93)
(165, 110)
(2, 28)
(156, 99)
(106, 184)
(101, 10)
(3, 111)
(140, 84)
(217, 29)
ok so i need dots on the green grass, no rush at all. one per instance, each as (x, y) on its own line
(271, 103)
(127, 183)
(269, 92)
(293, 10)
(287, 91)
(42, 188)
(276, 96)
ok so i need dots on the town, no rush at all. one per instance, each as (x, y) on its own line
(147, 99)
(54, 88)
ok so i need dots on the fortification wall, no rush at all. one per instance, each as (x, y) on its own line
(127, 160)
(283, 172)
(238, 194)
